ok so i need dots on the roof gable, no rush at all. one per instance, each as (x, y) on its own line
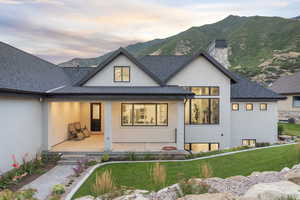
(120, 51)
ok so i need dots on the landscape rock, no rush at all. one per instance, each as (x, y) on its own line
(271, 191)
(134, 194)
(293, 176)
(286, 169)
(169, 193)
(89, 197)
(210, 196)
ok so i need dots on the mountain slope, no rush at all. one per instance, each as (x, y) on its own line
(261, 48)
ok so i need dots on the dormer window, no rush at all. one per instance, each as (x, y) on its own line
(121, 74)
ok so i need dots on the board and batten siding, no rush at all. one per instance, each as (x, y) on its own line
(163, 134)
(201, 72)
(21, 129)
(106, 76)
(256, 124)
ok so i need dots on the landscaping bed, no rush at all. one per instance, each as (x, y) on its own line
(139, 175)
(26, 171)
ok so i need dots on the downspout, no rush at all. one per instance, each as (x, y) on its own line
(185, 100)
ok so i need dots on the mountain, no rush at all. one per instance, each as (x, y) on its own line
(298, 17)
(261, 48)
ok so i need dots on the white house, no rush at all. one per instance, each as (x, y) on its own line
(128, 104)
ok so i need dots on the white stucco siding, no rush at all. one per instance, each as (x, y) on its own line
(200, 72)
(21, 129)
(106, 76)
(144, 133)
(256, 124)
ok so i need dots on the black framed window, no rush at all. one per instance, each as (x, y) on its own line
(205, 90)
(235, 106)
(249, 106)
(144, 114)
(263, 106)
(296, 101)
(95, 117)
(249, 142)
(121, 74)
(202, 111)
(202, 147)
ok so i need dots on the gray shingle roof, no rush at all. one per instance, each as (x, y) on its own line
(22, 71)
(287, 84)
(77, 73)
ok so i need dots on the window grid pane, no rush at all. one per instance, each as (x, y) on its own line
(125, 74)
(296, 101)
(200, 111)
(126, 114)
(118, 74)
(200, 91)
(235, 106)
(214, 111)
(263, 106)
(249, 106)
(162, 114)
(214, 91)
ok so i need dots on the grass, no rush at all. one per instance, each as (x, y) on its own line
(137, 175)
(291, 129)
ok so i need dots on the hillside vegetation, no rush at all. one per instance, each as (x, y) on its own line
(261, 48)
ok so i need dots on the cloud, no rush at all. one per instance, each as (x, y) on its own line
(31, 1)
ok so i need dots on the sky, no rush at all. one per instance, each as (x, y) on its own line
(59, 30)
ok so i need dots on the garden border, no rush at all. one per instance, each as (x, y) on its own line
(87, 175)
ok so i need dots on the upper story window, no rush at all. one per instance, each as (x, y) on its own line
(144, 114)
(235, 106)
(121, 74)
(205, 91)
(263, 106)
(249, 106)
(296, 101)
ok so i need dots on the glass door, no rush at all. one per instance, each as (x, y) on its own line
(95, 117)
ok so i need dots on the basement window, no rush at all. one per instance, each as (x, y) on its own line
(201, 147)
(249, 142)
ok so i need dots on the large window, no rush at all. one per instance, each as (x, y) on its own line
(149, 114)
(121, 74)
(205, 90)
(202, 111)
(296, 101)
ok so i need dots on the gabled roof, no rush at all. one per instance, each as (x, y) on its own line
(111, 58)
(287, 84)
(21, 71)
(166, 67)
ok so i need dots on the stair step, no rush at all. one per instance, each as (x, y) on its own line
(67, 162)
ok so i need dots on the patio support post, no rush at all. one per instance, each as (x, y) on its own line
(107, 126)
(180, 126)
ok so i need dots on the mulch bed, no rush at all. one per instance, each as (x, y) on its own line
(28, 179)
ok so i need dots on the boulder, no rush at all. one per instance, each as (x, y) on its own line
(169, 193)
(134, 194)
(271, 191)
(293, 176)
(89, 197)
(286, 169)
(210, 196)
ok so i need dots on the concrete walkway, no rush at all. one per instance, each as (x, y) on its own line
(45, 183)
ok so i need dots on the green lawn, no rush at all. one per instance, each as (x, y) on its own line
(137, 175)
(291, 129)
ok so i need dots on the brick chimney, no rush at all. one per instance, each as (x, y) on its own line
(219, 50)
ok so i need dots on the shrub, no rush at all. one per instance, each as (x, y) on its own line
(104, 184)
(58, 189)
(206, 171)
(91, 163)
(158, 174)
(280, 129)
(191, 187)
(78, 169)
(131, 156)
(262, 144)
(149, 157)
(18, 195)
(291, 120)
(105, 157)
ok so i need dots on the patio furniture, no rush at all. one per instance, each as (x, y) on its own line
(76, 132)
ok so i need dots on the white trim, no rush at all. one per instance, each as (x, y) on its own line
(78, 185)
(53, 89)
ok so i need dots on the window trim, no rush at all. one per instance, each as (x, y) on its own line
(156, 114)
(122, 81)
(209, 90)
(248, 140)
(263, 109)
(294, 102)
(209, 145)
(238, 106)
(249, 104)
(209, 117)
